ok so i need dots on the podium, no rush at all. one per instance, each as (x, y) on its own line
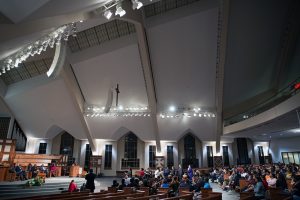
(74, 171)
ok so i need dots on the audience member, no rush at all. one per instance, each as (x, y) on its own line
(72, 187)
(90, 180)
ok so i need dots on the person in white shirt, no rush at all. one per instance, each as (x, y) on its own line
(272, 181)
(157, 173)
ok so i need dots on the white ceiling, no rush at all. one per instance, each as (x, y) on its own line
(17, 10)
(183, 51)
(40, 103)
(183, 56)
(99, 74)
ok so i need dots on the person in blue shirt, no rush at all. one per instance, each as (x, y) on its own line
(20, 172)
(165, 184)
(259, 189)
(206, 184)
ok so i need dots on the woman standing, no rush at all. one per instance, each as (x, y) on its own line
(190, 172)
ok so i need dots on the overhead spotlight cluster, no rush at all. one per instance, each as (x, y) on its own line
(120, 111)
(177, 112)
(50, 40)
(116, 7)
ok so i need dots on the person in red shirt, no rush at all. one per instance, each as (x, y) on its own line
(142, 173)
(72, 187)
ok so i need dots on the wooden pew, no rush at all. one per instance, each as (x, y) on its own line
(124, 196)
(206, 190)
(54, 196)
(146, 190)
(212, 196)
(96, 195)
(158, 196)
(182, 191)
(185, 197)
(276, 194)
(163, 190)
(24, 159)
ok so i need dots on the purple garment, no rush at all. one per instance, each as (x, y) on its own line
(190, 173)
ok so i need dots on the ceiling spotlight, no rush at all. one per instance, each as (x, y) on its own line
(120, 108)
(172, 108)
(136, 4)
(120, 11)
(107, 14)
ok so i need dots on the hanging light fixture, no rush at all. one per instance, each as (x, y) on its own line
(120, 11)
(136, 4)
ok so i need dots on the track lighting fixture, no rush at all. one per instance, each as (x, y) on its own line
(136, 4)
(120, 11)
(107, 14)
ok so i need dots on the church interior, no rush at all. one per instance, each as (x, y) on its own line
(123, 86)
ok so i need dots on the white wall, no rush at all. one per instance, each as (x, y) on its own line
(163, 152)
(33, 145)
(283, 145)
(213, 144)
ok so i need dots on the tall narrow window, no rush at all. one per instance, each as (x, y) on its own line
(19, 136)
(152, 154)
(170, 156)
(225, 156)
(130, 154)
(43, 148)
(190, 152)
(88, 153)
(67, 144)
(210, 156)
(108, 156)
(261, 155)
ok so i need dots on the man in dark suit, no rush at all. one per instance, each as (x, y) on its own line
(90, 178)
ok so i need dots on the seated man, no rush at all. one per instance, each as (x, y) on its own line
(20, 172)
(34, 171)
(43, 169)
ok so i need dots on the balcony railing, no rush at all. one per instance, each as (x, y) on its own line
(283, 94)
(130, 162)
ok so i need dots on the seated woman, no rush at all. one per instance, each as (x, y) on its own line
(53, 170)
(115, 184)
(72, 187)
(174, 185)
(165, 184)
(259, 189)
(272, 181)
(206, 183)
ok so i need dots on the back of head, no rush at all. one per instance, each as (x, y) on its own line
(91, 171)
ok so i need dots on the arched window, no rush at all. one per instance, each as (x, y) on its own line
(130, 153)
(190, 152)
